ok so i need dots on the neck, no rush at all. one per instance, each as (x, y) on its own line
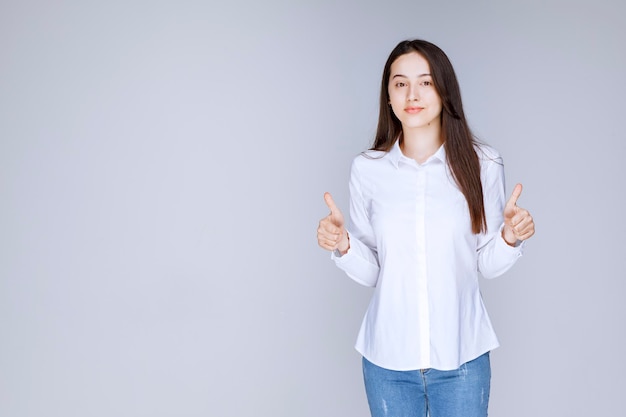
(421, 143)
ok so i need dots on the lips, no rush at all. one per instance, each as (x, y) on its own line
(413, 110)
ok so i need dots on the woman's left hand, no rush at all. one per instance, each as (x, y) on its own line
(518, 223)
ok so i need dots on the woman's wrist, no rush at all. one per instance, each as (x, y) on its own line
(344, 245)
(509, 236)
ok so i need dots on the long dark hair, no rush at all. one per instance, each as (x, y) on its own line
(456, 135)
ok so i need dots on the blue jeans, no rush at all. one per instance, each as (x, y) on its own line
(463, 392)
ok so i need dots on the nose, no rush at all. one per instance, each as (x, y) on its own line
(413, 94)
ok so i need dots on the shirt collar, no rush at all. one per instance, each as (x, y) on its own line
(396, 156)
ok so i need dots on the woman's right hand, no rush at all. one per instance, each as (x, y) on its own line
(331, 233)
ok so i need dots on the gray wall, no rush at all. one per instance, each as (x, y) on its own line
(162, 166)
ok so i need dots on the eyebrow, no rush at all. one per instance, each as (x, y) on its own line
(404, 76)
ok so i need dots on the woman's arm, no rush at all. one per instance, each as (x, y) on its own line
(508, 226)
(353, 249)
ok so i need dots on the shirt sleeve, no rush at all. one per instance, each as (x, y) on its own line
(495, 256)
(361, 261)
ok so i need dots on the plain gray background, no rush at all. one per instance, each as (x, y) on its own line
(162, 166)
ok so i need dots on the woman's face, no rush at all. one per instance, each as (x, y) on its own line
(412, 94)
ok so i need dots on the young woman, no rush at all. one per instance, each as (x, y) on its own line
(427, 215)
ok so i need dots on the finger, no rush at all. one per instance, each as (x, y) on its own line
(327, 244)
(328, 237)
(330, 244)
(527, 235)
(524, 227)
(331, 204)
(514, 196)
(520, 216)
(327, 226)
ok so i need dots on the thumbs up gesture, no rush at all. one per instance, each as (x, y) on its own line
(518, 223)
(331, 233)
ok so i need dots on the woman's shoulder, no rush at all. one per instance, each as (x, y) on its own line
(369, 165)
(487, 154)
(369, 157)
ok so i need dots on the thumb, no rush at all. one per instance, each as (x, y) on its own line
(517, 191)
(334, 210)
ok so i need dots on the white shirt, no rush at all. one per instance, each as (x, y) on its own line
(411, 238)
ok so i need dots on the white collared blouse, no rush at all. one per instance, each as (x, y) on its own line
(411, 238)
